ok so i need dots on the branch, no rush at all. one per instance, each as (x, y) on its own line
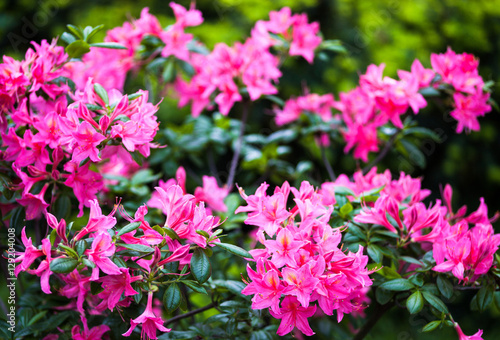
(191, 313)
(382, 154)
(376, 315)
(237, 151)
(328, 166)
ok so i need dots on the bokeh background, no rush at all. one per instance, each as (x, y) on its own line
(394, 32)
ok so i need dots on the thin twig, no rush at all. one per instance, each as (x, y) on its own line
(382, 154)
(212, 166)
(328, 166)
(191, 313)
(377, 314)
(237, 151)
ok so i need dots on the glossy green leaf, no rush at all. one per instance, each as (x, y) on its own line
(200, 266)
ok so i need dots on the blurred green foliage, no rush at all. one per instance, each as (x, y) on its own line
(393, 32)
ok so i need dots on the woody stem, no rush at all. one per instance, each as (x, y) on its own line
(237, 151)
(191, 313)
(377, 314)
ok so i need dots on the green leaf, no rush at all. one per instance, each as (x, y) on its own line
(101, 92)
(345, 209)
(94, 31)
(136, 247)
(422, 132)
(415, 302)
(62, 207)
(431, 326)
(234, 250)
(484, 297)
(77, 48)
(399, 285)
(169, 72)
(375, 253)
(93, 107)
(171, 233)
(200, 266)
(195, 286)
(76, 31)
(233, 286)
(414, 154)
(172, 298)
(88, 263)
(445, 286)
(144, 176)
(112, 45)
(37, 317)
(383, 296)
(435, 302)
(63, 265)
(70, 251)
(68, 38)
(128, 228)
(345, 191)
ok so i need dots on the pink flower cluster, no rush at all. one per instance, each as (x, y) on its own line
(313, 103)
(218, 74)
(210, 193)
(99, 261)
(470, 100)
(54, 141)
(109, 67)
(465, 252)
(301, 262)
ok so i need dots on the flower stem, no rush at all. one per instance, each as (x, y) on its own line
(382, 154)
(191, 313)
(328, 166)
(377, 314)
(237, 151)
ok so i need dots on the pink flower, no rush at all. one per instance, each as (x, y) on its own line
(468, 108)
(35, 204)
(292, 314)
(102, 249)
(116, 285)
(150, 322)
(301, 283)
(29, 255)
(462, 336)
(43, 269)
(176, 42)
(212, 194)
(87, 139)
(283, 249)
(97, 221)
(183, 17)
(95, 333)
(305, 39)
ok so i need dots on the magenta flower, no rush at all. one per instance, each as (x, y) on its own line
(212, 194)
(102, 249)
(35, 204)
(116, 285)
(29, 255)
(150, 322)
(284, 248)
(462, 336)
(95, 333)
(292, 315)
(301, 283)
(97, 221)
(87, 139)
(43, 269)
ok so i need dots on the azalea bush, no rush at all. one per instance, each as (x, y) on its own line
(119, 224)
